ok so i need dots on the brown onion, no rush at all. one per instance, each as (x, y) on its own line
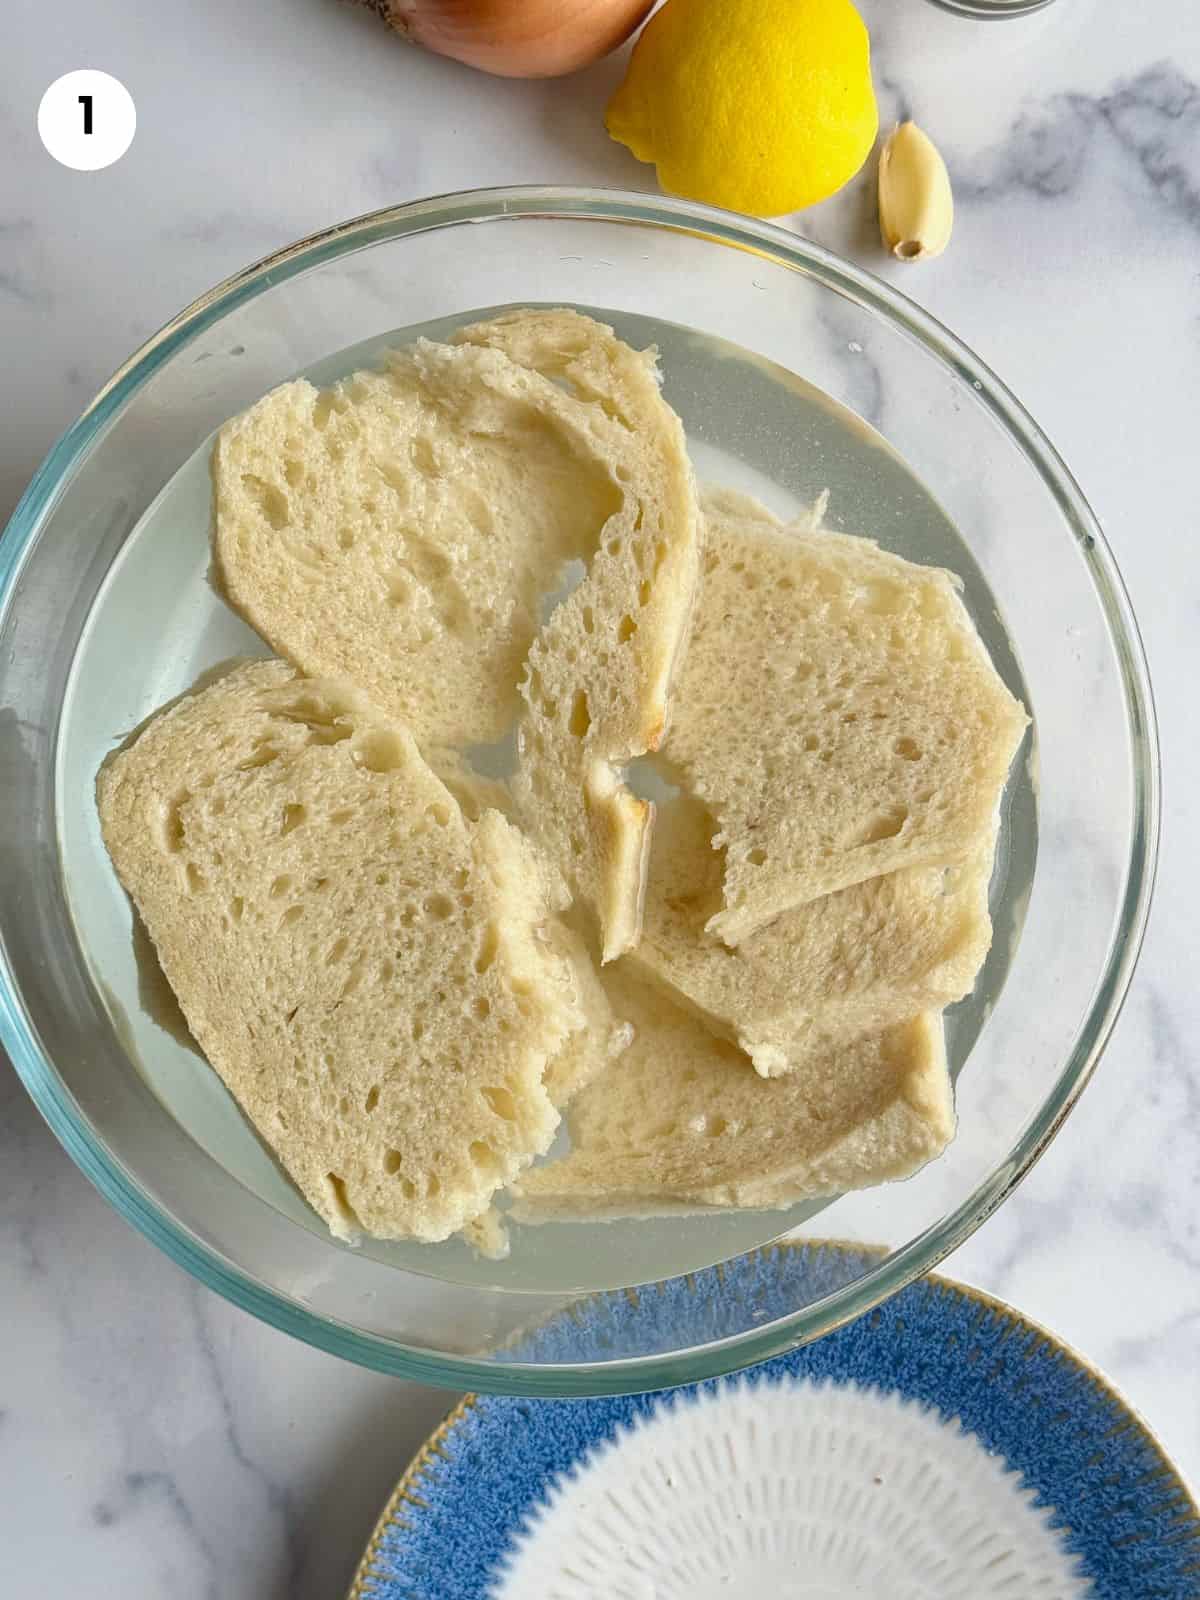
(516, 38)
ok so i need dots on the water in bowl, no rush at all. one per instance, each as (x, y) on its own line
(158, 625)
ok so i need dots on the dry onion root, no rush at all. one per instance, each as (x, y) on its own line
(515, 38)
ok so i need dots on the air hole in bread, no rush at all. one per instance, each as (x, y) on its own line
(341, 1200)
(291, 915)
(482, 1007)
(372, 1099)
(644, 592)
(195, 878)
(909, 749)
(883, 825)
(810, 742)
(883, 599)
(440, 906)
(614, 547)
(237, 907)
(336, 951)
(482, 1154)
(343, 815)
(626, 629)
(322, 728)
(345, 538)
(173, 823)
(280, 885)
(439, 813)
(581, 717)
(381, 750)
(433, 1186)
(272, 502)
(293, 816)
(293, 471)
(589, 620)
(417, 1029)
(408, 1189)
(392, 1162)
(501, 1102)
(353, 979)
(756, 857)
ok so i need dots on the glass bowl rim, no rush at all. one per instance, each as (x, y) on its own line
(918, 1255)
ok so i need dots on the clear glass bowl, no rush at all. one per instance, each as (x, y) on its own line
(793, 371)
(990, 10)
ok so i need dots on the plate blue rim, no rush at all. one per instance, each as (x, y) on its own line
(1119, 1503)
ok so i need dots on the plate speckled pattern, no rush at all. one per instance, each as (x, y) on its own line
(941, 1448)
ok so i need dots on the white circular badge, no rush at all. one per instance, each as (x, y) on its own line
(87, 119)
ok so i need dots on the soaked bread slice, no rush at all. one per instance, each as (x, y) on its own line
(599, 672)
(852, 962)
(836, 712)
(374, 977)
(399, 529)
(603, 1036)
(683, 1120)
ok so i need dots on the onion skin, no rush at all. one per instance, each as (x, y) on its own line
(515, 38)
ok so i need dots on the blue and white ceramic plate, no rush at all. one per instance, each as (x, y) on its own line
(942, 1448)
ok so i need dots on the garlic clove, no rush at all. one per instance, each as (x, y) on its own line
(916, 206)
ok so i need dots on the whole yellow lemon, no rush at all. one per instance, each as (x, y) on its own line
(762, 106)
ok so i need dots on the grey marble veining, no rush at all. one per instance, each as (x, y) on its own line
(153, 1440)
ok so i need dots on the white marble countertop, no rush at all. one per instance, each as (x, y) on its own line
(153, 1440)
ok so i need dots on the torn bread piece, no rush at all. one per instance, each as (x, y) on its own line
(375, 978)
(836, 711)
(852, 962)
(603, 1036)
(682, 1120)
(600, 669)
(400, 530)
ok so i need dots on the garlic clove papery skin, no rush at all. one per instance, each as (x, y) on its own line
(916, 204)
(516, 38)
